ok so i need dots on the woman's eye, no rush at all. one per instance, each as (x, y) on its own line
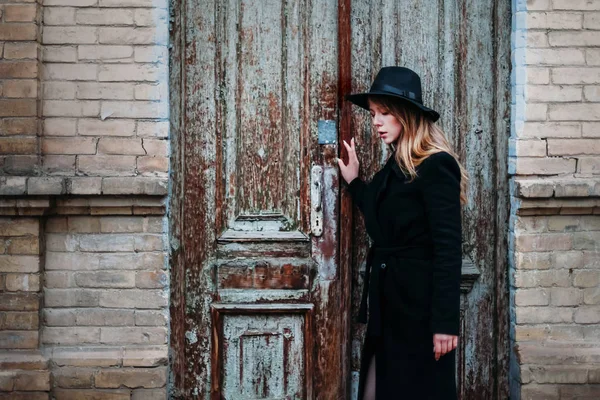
(384, 113)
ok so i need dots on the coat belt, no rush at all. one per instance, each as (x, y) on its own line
(372, 288)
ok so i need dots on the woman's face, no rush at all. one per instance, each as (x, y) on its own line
(388, 127)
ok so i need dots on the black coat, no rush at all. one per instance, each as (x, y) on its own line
(413, 276)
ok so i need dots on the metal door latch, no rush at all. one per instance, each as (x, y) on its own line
(316, 200)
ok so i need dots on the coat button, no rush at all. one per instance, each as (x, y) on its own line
(383, 266)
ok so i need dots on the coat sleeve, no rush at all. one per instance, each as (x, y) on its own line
(357, 192)
(440, 185)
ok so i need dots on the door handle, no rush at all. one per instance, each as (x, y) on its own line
(316, 200)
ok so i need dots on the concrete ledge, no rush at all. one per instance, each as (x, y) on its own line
(82, 185)
(546, 188)
(84, 205)
(25, 360)
(559, 353)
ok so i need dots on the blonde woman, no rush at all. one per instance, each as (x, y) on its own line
(412, 213)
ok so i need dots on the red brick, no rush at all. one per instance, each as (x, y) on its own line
(18, 69)
(20, 88)
(19, 321)
(21, 264)
(19, 339)
(32, 381)
(18, 108)
(21, 50)
(18, 145)
(19, 302)
(20, 13)
(15, 32)
(24, 246)
(19, 227)
(22, 283)
(20, 126)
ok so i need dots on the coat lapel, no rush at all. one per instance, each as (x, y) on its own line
(378, 234)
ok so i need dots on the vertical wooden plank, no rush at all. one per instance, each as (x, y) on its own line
(345, 222)
(479, 219)
(502, 84)
(363, 57)
(200, 141)
(177, 292)
(227, 73)
(323, 105)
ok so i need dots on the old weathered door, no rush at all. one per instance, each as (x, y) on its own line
(461, 50)
(259, 299)
(262, 238)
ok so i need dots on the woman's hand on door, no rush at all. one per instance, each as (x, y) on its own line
(350, 171)
(443, 344)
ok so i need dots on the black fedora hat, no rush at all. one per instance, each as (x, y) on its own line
(400, 82)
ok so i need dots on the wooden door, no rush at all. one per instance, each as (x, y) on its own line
(260, 294)
(461, 50)
(262, 300)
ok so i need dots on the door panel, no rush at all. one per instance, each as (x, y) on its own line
(257, 305)
(460, 49)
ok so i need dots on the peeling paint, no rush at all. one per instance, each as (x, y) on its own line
(192, 337)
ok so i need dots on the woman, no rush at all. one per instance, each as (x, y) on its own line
(412, 212)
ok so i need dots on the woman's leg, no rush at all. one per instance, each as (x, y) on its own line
(369, 393)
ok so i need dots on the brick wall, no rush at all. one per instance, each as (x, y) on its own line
(105, 281)
(19, 82)
(556, 287)
(105, 306)
(104, 99)
(84, 157)
(555, 206)
(19, 283)
(556, 96)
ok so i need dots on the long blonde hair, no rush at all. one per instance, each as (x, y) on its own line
(420, 137)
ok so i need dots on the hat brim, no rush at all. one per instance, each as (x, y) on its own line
(362, 100)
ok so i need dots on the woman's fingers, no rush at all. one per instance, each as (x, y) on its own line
(444, 346)
(438, 349)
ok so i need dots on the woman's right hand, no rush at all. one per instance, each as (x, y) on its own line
(350, 171)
